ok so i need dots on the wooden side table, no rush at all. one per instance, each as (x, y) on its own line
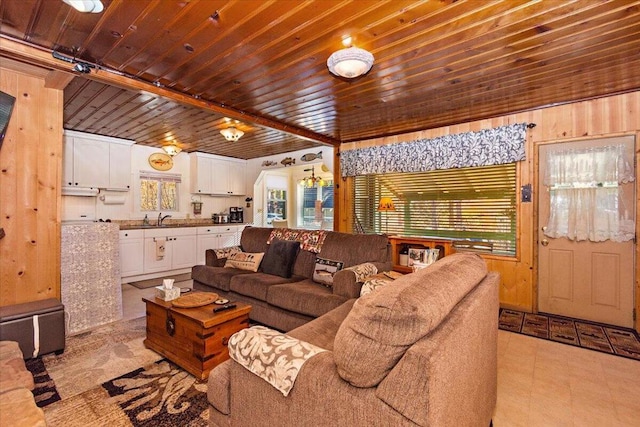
(445, 246)
(193, 338)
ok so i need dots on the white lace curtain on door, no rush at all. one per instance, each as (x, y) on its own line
(586, 188)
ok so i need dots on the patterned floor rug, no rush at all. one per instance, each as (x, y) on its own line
(107, 377)
(581, 333)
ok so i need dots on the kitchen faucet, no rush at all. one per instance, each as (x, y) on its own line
(162, 218)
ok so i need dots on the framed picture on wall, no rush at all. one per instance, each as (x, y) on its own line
(416, 255)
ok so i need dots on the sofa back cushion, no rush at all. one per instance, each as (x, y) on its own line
(254, 239)
(352, 249)
(384, 324)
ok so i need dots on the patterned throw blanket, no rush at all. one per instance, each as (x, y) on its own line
(310, 240)
(275, 357)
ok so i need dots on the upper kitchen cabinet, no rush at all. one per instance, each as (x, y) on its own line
(94, 161)
(217, 176)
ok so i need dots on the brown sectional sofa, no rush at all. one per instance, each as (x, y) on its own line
(17, 404)
(419, 351)
(286, 303)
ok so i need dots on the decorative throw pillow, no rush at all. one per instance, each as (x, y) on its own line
(244, 260)
(279, 258)
(325, 269)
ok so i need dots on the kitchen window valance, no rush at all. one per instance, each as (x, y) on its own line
(161, 177)
(496, 146)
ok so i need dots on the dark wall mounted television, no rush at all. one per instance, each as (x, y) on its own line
(6, 107)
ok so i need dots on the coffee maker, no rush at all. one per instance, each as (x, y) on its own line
(236, 214)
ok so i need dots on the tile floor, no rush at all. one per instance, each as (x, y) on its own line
(540, 383)
(544, 383)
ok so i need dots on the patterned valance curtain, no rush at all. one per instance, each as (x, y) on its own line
(586, 194)
(505, 144)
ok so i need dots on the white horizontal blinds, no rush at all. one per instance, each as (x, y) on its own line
(475, 205)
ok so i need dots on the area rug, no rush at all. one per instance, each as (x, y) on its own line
(150, 283)
(99, 355)
(593, 336)
(157, 395)
(107, 377)
(44, 392)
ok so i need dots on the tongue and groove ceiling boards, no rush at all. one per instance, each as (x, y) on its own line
(181, 70)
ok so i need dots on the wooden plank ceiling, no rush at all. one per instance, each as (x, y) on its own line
(261, 65)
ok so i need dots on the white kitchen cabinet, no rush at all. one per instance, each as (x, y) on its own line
(217, 176)
(237, 180)
(179, 253)
(131, 252)
(183, 251)
(119, 166)
(94, 161)
(153, 263)
(220, 177)
(216, 237)
(201, 175)
(90, 163)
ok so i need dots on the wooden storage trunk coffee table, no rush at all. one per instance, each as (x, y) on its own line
(193, 338)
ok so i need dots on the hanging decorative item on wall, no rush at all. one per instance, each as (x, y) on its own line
(161, 161)
(288, 161)
(311, 156)
(268, 163)
(196, 202)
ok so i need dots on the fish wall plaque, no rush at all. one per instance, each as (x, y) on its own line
(311, 156)
(288, 161)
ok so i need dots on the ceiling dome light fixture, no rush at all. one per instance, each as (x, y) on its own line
(86, 6)
(350, 63)
(231, 134)
(171, 150)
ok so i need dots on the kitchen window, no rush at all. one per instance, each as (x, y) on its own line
(159, 192)
(475, 207)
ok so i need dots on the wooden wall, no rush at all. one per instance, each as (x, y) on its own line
(30, 168)
(611, 116)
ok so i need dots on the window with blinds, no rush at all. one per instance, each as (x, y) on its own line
(476, 207)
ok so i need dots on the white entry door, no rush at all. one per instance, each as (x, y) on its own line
(585, 279)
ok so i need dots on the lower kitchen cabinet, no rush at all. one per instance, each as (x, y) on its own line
(131, 252)
(183, 251)
(179, 249)
(141, 256)
(216, 237)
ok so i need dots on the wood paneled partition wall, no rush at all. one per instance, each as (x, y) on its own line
(610, 116)
(30, 167)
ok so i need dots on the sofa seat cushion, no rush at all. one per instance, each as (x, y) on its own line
(216, 277)
(383, 324)
(306, 297)
(256, 285)
(322, 330)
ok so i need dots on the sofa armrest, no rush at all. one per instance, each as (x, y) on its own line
(217, 257)
(273, 356)
(348, 282)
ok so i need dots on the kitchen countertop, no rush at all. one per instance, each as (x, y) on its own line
(176, 225)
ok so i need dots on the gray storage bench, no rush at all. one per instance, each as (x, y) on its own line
(37, 327)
